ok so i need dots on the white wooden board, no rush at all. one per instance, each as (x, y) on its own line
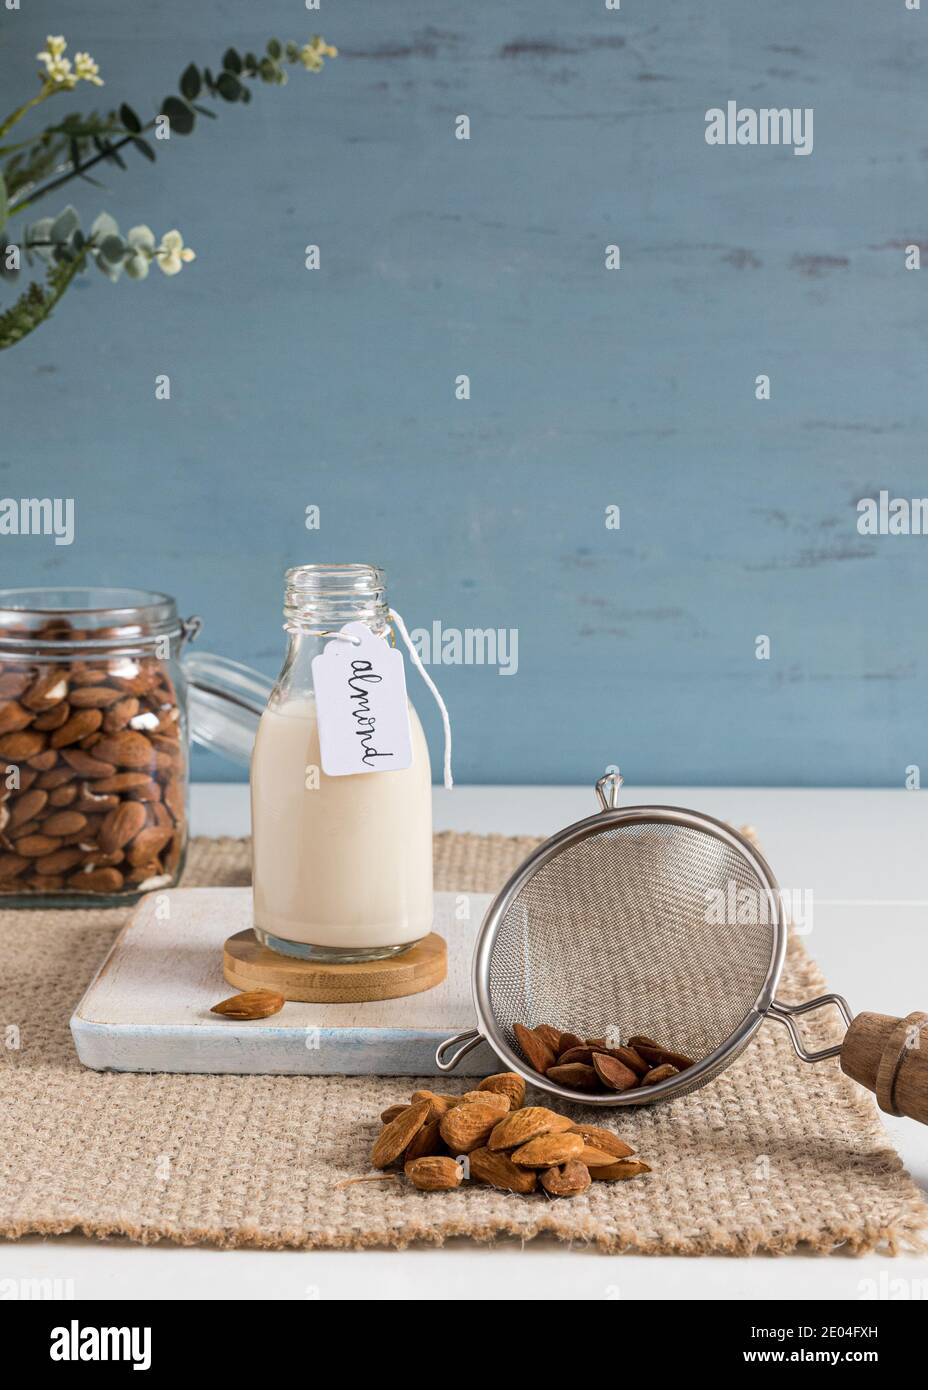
(148, 1009)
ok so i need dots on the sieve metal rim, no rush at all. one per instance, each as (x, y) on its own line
(610, 818)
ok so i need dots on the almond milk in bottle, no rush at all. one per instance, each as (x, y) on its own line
(342, 864)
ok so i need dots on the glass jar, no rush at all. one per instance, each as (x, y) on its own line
(93, 742)
(342, 864)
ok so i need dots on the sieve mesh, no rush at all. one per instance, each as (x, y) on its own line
(644, 927)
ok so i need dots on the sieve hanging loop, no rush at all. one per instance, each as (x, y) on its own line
(471, 1039)
(608, 788)
(784, 1013)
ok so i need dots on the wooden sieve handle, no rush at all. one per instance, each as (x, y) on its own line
(890, 1057)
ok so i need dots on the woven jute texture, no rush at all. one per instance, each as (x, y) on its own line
(772, 1156)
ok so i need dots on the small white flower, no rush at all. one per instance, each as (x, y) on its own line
(58, 71)
(58, 68)
(172, 253)
(86, 68)
(310, 56)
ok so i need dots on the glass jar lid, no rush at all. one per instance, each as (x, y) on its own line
(225, 699)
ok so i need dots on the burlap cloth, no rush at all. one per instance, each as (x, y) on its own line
(772, 1156)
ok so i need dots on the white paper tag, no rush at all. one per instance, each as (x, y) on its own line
(361, 705)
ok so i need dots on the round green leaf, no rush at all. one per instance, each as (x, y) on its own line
(274, 49)
(231, 61)
(64, 225)
(112, 248)
(129, 119)
(144, 148)
(190, 82)
(229, 86)
(179, 114)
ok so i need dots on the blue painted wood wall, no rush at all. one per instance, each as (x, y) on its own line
(589, 388)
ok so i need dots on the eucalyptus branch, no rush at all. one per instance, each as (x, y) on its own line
(75, 172)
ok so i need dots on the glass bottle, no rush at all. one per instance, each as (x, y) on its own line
(342, 865)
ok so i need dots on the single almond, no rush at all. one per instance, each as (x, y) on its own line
(54, 718)
(11, 865)
(595, 1158)
(87, 766)
(574, 1075)
(16, 748)
(79, 726)
(148, 844)
(125, 749)
(549, 1035)
(391, 1112)
(14, 683)
(468, 1127)
(44, 761)
(60, 861)
(522, 1125)
(394, 1138)
(620, 1170)
(27, 805)
(13, 717)
(506, 1083)
(438, 1104)
(46, 690)
(496, 1099)
(121, 825)
(434, 1174)
(547, 1150)
(661, 1073)
(122, 782)
(539, 1054)
(568, 1181)
(599, 1138)
(20, 832)
(656, 1055)
(34, 846)
(628, 1057)
(59, 777)
(613, 1073)
(95, 697)
(64, 823)
(426, 1142)
(576, 1054)
(92, 879)
(498, 1169)
(63, 796)
(253, 1003)
(568, 1040)
(118, 715)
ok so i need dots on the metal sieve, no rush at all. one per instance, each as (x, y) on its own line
(645, 920)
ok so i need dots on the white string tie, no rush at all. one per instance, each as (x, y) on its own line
(445, 721)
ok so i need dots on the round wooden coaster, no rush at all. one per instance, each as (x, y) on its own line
(249, 965)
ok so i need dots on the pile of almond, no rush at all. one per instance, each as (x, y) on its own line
(593, 1064)
(92, 776)
(490, 1136)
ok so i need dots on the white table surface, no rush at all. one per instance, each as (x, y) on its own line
(862, 853)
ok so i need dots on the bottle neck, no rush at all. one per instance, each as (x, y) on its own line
(319, 600)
